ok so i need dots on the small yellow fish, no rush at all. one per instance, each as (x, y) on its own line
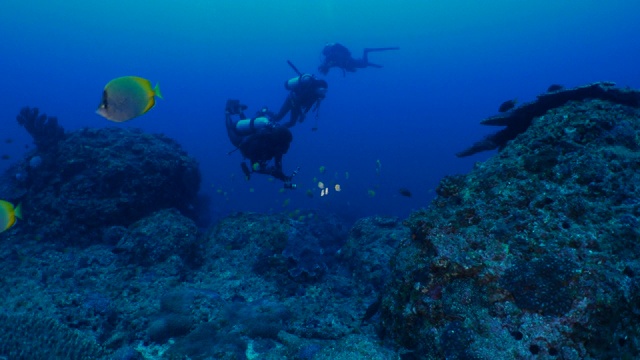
(8, 215)
(127, 97)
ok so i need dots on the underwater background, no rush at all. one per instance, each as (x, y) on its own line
(458, 61)
(143, 240)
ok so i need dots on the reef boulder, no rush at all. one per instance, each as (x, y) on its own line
(99, 178)
(535, 253)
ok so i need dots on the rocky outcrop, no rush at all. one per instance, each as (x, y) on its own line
(519, 119)
(535, 253)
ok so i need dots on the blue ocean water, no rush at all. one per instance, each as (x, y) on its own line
(458, 60)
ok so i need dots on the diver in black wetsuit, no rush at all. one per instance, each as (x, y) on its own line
(336, 55)
(260, 140)
(306, 92)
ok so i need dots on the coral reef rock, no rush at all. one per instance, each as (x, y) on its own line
(100, 178)
(238, 292)
(158, 237)
(534, 254)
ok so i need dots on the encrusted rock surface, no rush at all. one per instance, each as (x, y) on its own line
(94, 179)
(534, 254)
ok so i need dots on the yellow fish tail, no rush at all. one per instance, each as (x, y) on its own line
(156, 91)
(18, 211)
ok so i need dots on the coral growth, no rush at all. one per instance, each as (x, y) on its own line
(44, 129)
(100, 178)
(158, 237)
(294, 252)
(33, 336)
(222, 309)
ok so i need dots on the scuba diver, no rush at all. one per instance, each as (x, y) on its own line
(259, 140)
(336, 55)
(306, 92)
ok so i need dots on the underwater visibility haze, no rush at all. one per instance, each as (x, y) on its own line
(156, 199)
(458, 60)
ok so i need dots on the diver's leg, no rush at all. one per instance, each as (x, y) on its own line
(284, 109)
(366, 51)
(296, 114)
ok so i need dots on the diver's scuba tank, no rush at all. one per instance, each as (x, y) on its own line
(249, 126)
(306, 82)
(295, 82)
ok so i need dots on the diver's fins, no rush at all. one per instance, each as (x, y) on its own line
(381, 49)
(234, 107)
